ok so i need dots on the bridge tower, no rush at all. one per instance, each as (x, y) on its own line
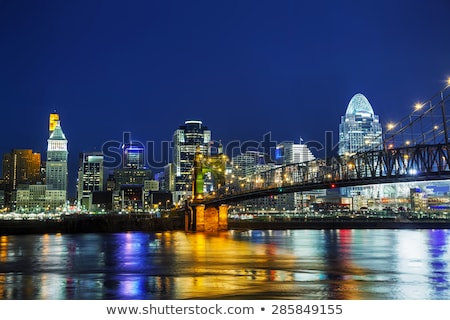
(199, 216)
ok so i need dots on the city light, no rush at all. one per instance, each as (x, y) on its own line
(390, 126)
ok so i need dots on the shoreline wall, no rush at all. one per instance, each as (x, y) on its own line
(124, 223)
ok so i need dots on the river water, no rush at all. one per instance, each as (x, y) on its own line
(283, 264)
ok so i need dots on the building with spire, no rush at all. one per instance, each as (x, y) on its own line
(38, 195)
(56, 167)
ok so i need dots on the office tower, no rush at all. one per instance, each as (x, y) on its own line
(20, 167)
(287, 153)
(56, 166)
(246, 163)
(131, 176)
(90, 176)
(360, 129)
(167, 178)
(186, 139)
(290, 152)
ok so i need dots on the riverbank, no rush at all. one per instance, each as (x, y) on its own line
(144, 222)
(106, 223)
(339, 224)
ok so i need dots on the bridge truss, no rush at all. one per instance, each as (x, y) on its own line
(416, 148)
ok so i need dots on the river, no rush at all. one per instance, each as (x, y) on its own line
(252, 264)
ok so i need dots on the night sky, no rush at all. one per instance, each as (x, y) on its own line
(245, 68)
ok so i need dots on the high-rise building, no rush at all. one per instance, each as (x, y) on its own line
(90, 176)
(290, 152)
(186, 139)
(293, 153)
(167, 178)
(131, 176)
(360, 129)
(56, 166)
(20, 167)
(246, 163)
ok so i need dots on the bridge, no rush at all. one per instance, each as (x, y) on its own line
(416, 148)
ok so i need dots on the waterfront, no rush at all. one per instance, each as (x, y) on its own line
(250, 264)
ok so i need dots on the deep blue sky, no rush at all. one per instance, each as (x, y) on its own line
(244, 68)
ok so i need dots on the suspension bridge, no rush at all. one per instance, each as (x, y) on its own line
(416, 148)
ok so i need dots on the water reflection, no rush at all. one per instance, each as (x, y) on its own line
(289, 264)
(438, 263)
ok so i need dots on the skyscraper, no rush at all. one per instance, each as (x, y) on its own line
(20, 167)
(90, 176)
(185, 141)
(290, 152)
(246, 163)
(360, 129)
(56, 166)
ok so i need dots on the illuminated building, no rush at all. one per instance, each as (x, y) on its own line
(90, 177)
(130, 176)
(56, 167)
(20, 166)
(166, 178)
(133, 153)
(290, 152)
(129, 188)
(360, 129)
(186, 139)
(31, 198)
(246, 163)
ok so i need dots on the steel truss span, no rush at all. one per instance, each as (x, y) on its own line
(415, 148)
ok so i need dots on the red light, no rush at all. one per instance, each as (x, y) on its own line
(333, 186)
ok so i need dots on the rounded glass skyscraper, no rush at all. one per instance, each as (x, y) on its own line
(360, 129)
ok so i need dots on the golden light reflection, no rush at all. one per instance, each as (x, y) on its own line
(3, 248)
(2, 286)
(215, 256)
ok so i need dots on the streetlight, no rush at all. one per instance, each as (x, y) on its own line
(390, 126)
(418, 106)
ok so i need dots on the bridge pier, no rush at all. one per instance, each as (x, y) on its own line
(206, 219)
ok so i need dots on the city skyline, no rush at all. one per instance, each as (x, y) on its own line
(244, 69)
